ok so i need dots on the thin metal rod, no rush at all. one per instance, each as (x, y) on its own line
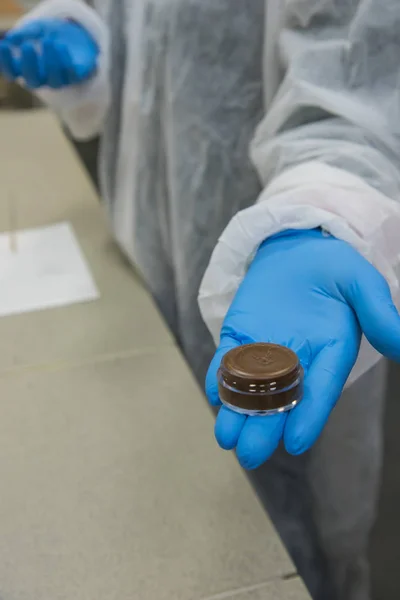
(13, 212)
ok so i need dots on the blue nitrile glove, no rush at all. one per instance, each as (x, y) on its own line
(314, 294)
(49, 52)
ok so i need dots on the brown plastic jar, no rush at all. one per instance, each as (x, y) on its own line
(260, 379)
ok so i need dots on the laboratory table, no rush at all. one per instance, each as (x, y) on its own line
(112, 486)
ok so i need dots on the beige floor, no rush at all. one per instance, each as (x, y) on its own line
(112, 484)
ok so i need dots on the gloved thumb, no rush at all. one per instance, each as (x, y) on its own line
(30, 31)
(226, 344)
(370, 297)
(229, 424)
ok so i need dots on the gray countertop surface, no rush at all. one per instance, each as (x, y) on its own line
(112, 484)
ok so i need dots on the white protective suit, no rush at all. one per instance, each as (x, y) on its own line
(179, 91)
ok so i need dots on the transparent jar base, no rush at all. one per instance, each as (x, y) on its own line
(261, 413)
(272, 403)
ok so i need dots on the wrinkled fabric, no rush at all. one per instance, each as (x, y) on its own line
(171, 191)
(186, 83)
(327, 150)
(174, 160)
(324, 503)
(186, 99)
(82, 107)
(338, 99)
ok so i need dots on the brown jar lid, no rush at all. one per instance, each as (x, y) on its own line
(260, 377)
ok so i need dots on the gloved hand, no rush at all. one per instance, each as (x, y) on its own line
(316, 295)
(49, 52)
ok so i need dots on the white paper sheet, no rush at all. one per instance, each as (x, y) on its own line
(46, 269)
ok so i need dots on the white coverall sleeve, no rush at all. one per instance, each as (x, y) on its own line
(81, 107)
(328, 149)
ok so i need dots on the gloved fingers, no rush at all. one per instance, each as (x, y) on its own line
(323, 386)
(9, 63)
(227, 343)
(56, 73)
(77, 68)
(27, 33)
(228, 428)
(371, 299)
(72, 72)
(259, 438)
(32, 67)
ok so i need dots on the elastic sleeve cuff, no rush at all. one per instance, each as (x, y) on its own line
(90, 97)
(306, 197)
